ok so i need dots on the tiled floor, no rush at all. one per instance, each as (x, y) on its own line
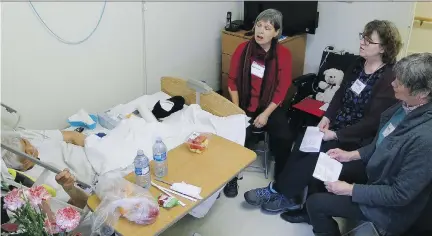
(233, 217)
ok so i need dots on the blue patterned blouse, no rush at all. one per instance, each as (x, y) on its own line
(353, 105)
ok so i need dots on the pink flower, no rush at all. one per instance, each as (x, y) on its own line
(37, 194)
(67, 218)
(51, 227)
(14, 200)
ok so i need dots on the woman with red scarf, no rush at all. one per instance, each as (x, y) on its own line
(259, 78)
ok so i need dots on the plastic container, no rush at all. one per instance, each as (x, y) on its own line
(121, 198)
(107, 122)
(160, 166)
(198, 142)
(142, 170)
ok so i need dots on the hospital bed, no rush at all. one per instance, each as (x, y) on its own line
(192, 91)
(208, 100)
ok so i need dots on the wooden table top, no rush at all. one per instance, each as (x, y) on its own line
(210, 170)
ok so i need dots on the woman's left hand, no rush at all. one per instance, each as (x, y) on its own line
(329, 135)
(261, 120)
(339, 188)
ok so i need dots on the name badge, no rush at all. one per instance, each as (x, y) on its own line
(390, 128)
(257, 70)
(358, 87)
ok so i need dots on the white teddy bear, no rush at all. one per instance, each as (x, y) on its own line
(333, 79)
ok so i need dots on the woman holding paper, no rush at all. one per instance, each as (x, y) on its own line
(350, 122)
(259, 78)
(397, 163)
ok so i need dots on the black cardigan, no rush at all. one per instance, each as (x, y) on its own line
(382, 97)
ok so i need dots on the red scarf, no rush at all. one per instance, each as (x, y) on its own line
(269, 80)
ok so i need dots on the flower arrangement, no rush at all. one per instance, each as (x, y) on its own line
(32, 213)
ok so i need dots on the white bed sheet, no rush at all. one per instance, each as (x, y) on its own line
(48, 178)
(118, 148)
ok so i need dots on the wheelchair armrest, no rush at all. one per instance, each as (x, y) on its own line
(304, 79)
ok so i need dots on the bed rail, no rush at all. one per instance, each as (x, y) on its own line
(40, 163)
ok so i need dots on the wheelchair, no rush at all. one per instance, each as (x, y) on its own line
(307, 86)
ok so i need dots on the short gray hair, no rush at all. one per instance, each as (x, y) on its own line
(274, 17)
(415, 73)
(10, 159)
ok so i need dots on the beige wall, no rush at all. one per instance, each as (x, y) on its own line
(421, 35)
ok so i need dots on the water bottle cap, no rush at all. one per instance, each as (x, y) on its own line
(158, 139)
(140, 152)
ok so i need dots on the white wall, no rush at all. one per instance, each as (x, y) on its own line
(183, 39)
(421, 35)
(47, 81)
(341, 22)
(54, 80)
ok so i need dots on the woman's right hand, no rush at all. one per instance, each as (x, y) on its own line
(324, 123)
(340, 155)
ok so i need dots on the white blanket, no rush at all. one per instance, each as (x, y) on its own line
(118, 149)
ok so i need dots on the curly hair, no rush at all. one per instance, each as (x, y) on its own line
(391, 40)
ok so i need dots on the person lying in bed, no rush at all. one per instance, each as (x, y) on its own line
(61, 149)
(77, 196)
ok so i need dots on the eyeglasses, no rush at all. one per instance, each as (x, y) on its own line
(366, 39)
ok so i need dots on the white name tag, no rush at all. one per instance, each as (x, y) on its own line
(257, 70)
(390, 128)
(358, 87)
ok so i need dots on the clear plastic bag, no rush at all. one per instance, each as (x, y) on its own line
(121, 198)
(198, 142)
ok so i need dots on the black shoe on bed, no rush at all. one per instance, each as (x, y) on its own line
(231, 189)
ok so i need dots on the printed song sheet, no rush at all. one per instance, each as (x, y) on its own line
(327, 169)
(311, 140)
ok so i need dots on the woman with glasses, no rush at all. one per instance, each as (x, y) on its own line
(397, 163)
(350, 121)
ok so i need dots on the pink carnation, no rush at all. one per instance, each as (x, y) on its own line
(67, 218)
(51, 227)
(14, 200)
(37, 194)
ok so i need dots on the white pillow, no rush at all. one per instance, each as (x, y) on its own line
(146, 114)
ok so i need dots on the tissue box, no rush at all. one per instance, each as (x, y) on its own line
(107, 121)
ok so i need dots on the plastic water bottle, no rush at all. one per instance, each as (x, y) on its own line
(159, 157)
(142, 170)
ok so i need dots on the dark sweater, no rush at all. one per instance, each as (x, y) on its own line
(381, 97)
(399, 172)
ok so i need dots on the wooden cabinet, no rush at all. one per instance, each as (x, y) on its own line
(230, 41)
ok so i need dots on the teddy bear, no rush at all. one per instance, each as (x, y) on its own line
(333, 79)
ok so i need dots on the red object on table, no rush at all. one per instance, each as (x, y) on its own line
(310, 106)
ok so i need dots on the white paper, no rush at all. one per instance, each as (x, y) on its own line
(312, 140)
(324, 107)
(257, 70)
(388, 130)
(327, 169)
(187, 189)
(358, 87)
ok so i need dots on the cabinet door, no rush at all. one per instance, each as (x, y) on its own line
(230, 43)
